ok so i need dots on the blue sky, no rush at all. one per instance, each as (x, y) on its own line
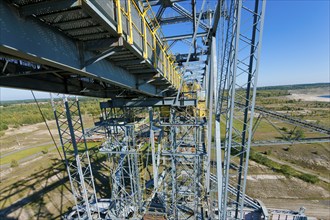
(296, 43)
(295, 46)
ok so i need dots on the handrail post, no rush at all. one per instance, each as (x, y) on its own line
(130, 25)
(145, 52)
(119, 22)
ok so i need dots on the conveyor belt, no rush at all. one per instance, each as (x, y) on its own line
(290, 120)
(247, 200)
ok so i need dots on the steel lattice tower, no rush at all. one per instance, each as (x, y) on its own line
(238, 78)
(75, 151)
(189, 158)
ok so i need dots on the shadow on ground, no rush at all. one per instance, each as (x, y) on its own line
(46, 194)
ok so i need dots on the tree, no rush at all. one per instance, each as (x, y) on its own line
(299, 134)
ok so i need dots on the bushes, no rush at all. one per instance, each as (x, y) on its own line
(14, 163)
(272, 93)
(284, 169)
(3, 126)
(299, 134)
(293, 134)
(16, 115)
(308, 178)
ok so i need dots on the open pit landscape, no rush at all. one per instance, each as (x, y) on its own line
(160, 109)
(34, 182)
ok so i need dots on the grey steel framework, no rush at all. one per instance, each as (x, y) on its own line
(75, 151)
(91, 48)
(176, 138)
(115, 49)
(239, 68)
(122, 153)
(183, 152)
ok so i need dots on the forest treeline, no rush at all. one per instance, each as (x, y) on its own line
(25, 112)
(15, 115)
(296, 86)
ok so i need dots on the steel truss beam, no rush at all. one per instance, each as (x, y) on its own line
(160, 2)
(269, 116)
(147, 102)
(290, 142)
(182, 37)
(181, 10)
(180, 19)
(291, 120)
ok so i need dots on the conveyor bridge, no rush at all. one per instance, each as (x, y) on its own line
(94, 48)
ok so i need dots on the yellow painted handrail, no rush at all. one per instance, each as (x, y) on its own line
(130, 39)
(119, 23)
(164, 61)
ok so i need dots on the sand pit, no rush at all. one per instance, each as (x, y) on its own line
(312, 94)
(310, 97)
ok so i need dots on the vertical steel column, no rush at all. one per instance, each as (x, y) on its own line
(193, 9)
(217, 123)
(233, 37)
(173, 164)
(152, 145)
(243, 151)
(197, 170)
(185, 151)
(239, 71)
(136, 175)
(123, 153)
(256, 43)
(209, 124)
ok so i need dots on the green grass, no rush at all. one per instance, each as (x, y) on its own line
(31, 151)
(24, 153)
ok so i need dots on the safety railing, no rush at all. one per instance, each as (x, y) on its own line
(139, 27)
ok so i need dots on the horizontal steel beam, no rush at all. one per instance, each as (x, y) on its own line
(185, 36)
(160, 2)
(148, 102)
(179, 19)
(181, 10)
(51, 84)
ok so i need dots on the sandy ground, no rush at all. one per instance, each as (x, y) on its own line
(27, 136)
(308, 97)
(275, 190)
(314, 94)
(278, 192)
(314, 208)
